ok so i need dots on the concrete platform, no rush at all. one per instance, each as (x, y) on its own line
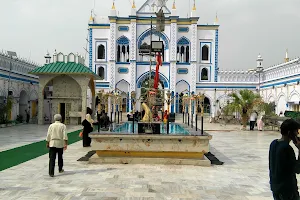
(95, 159)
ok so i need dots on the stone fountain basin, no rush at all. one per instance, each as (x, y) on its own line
(112, 148)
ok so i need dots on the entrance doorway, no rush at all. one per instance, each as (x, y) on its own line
(63, 112)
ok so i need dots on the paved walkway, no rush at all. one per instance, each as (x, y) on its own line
(244, 176)
(15, 136)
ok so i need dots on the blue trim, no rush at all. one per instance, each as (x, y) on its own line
(147, 32)
(184, 63)
(100, 85)
(96, 49)
(123, 28)
(281, 83)
(122, 63)
(123, 70)
(291, 76)
(177, 103)
(90, 49)
(186, 83)
(146, 75)
(217, 56)
(182, 71)
(123, 40)
(183, 41)
(19, 79)
(172, 104)
(183, 29)
(228, 87)
(99, 24)
(209, 46)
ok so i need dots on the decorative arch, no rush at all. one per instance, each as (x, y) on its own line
(122, 80)
(145, 75)
(183, 41)
(186, 83)
(294, 92)
(147, 33)
(123, 40)
(271, 96)
(33, 95)
(279, 95)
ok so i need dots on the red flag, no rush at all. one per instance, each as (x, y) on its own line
(158, 63)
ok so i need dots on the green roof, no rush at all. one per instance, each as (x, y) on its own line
(63, 68)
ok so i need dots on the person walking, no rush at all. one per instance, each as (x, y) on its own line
(253, 117)
(283, 165)
(260, 123)
(57, 142)
(87, 128)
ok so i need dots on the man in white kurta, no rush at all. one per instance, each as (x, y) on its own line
(57, 141)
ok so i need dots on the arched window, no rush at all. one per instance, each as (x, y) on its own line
(101, 73)
(187, 54)
(205, 52)
(101, 52)
(204, 74)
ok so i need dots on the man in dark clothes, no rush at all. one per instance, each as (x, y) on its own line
(105, 120)
(283, 165)
(27, 116)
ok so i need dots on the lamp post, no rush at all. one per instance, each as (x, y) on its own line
(201, 99)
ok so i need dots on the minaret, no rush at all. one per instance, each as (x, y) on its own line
(286, 59)
(48, 58)
(216, 20)
(55, 56)
(193, 14)
(133, 9)
(174, 11)
(259, 61)
(113, 11)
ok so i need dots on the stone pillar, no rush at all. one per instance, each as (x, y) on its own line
(133, 53)
(194, 44)
(41, 105)
(112, 53)
(173, 68)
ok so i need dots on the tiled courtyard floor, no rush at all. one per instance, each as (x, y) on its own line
(244, 176)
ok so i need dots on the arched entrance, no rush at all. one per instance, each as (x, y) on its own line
(62, 95)
(123, 88)
(23, 104)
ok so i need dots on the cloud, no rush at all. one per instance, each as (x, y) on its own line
(247, 27)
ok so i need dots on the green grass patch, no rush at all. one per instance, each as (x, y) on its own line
(18, 155)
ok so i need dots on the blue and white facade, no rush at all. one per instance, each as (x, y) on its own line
(190, 60)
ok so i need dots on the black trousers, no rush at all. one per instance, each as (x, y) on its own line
(52, 156)
(252, 123)
(294, 196)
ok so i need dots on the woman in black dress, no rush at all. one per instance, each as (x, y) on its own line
(87, 128)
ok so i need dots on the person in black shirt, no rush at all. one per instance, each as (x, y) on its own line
(283, 165)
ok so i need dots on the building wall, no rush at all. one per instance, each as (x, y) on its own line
(24, 87)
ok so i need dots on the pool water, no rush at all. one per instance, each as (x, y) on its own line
(174, 129)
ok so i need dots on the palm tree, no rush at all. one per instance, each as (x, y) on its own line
(244, 102)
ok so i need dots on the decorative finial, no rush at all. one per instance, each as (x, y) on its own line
(113, 6)
(194, 7)
(217, 19)
(286, 59)
(133, 4)
(91, 17)
(174, 5)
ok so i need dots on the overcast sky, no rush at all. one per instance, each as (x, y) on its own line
(247, 27)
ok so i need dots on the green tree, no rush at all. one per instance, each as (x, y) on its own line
(244, 102)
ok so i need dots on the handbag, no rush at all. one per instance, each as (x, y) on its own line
(80, 134)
